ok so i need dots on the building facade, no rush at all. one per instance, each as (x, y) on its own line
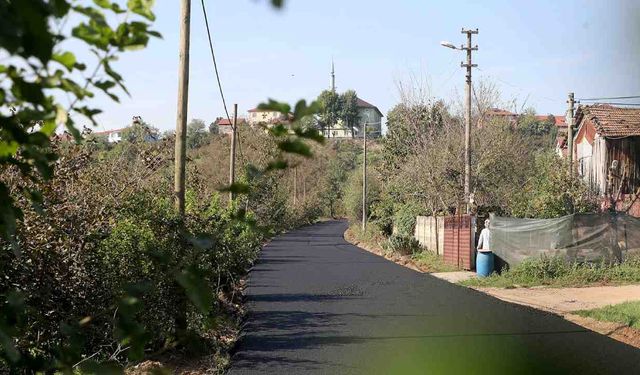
(607, 148)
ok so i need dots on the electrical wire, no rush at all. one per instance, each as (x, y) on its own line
(610, 98)
(215, 68)
(627, 104)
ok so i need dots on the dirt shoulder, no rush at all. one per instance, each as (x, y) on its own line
(403, 260)
(559, 301)
(565, 301)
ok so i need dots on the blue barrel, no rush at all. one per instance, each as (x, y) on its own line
(484, 263)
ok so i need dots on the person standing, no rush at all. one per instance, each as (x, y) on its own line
(484, 258)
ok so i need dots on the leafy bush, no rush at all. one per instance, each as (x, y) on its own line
(404, 218)
(551, 191)
(403, 245)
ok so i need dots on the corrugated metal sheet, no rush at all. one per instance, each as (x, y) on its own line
(458, 241)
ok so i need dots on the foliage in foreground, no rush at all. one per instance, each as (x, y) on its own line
(626, 313)
(555, 272)
(106, 273)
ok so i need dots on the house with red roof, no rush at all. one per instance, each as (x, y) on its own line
(607, 150)
(225, 126)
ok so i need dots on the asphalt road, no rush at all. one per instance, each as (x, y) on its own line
(320, 305)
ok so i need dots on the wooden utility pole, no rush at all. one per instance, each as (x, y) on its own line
(467, 120)
(364, 177)
(183, 99)
(571, 102)
(232, 156)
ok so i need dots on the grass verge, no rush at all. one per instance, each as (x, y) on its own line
(554, 272)
(627, 313)
(372, 240)
(430, 262)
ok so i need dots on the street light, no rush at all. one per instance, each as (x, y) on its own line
(444, 43)
(467, 123)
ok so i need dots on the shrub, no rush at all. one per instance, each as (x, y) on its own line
(404, 218)
(402, 245)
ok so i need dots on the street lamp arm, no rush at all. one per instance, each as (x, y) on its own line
(444, 43)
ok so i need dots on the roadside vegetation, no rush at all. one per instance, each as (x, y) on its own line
(417, 168)
(627, 313)
(98, 272)
(556, 272)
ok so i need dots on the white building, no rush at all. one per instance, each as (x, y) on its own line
(112, 136)
(368, 114)
(265, 117)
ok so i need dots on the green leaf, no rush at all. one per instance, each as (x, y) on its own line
(49, 127)
(295, 147)
(276, 165)
(312, 134)
(67, 59)
(8, 148)
(302, 110)
(236, 188)
(195, 286)
(273, 105)
(278, 130)
(142, 7)
(94, 14)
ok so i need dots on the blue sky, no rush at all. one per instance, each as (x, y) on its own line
(535, 49)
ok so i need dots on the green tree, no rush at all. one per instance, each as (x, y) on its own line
(348, 107)
(409, 128)
(140, 131)
(329, 112)
(551, 191)
(542, 132)
(196, 133)
(40, 71)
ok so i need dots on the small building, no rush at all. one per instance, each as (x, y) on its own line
(607, 148)
(112, 136)
(368, 114)
(265, 117)
(225, 126)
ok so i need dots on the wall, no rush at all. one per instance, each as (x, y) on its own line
(430, 233)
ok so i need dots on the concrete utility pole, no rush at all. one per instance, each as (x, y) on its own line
(571, 102)
(467, 120)
(232, 157)
(364, 177)
(183, 99)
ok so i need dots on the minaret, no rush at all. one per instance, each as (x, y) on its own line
(333, 77)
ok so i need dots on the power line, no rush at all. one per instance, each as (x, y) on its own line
(623, 104)
(213, 57)
(610, 98)
(215, 67)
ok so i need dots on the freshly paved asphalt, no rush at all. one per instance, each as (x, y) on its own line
(320, 305)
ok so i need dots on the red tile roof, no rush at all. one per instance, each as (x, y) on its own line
(611, 121)
(499, 112)
(226, 122)
(560, 121)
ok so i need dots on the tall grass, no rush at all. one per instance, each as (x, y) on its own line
(555, 272)
(627, 313)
